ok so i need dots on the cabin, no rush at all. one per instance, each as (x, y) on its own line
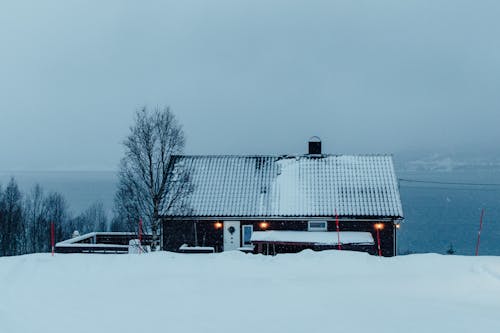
(286, 203)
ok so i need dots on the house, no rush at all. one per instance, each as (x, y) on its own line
(286, 203)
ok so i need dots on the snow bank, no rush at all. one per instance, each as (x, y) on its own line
(235, 292)
(317, 238)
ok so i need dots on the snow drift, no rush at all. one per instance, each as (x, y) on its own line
(234, 292)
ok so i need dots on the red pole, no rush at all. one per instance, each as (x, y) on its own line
(479, 232)
(378, 241)
(140, 236)
(52, 238)
(338, 230)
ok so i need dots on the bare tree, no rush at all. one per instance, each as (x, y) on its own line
(40, 211)
(94, 218)
(12, 235)
(36, 224)
(25, 224)
(147, 188)
(57, 212)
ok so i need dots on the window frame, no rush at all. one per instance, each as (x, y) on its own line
(309, 228)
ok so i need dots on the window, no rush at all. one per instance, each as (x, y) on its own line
(247, 235)
(317, 226)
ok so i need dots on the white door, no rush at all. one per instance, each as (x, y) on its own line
(231, 235)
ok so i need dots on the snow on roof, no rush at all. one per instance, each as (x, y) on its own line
(186, 247)
(305, 186)
(77, 239)
(89, 245)
(311, 237)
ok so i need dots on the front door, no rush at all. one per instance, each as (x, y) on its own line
(231, 235)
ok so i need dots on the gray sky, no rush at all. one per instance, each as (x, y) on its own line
(253, 76)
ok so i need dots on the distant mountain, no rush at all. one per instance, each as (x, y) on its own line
(447, 162)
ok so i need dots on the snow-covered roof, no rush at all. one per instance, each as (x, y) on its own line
(76, 240)
(316, 238)
(185, 247)
(281, 186)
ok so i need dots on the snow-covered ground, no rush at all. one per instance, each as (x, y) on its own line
(233, 292)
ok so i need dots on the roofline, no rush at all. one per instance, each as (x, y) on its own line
(284, 155)
(289, 218)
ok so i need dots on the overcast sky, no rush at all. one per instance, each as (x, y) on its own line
(247, 76)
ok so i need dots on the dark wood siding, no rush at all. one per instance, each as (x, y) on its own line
(178, 232)
(278, 225)
(387, 240)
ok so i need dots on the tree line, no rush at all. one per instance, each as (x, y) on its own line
(25, 219)
(149, 185)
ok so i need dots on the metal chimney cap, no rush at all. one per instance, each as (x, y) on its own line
(314, 146)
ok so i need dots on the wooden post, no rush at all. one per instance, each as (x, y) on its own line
(195, 234)
(338, 230)
(479, 232)
(378, 241)
(394, 239)
(379, 226)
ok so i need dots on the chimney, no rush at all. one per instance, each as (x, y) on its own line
(314, 146)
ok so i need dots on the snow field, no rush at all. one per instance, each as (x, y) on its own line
(235, 292)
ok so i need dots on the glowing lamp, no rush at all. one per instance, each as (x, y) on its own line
(263, 225)
(218, 225)
(378, 227)
(398, 225)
